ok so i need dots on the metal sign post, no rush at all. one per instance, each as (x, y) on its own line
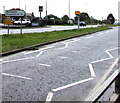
(77, 13)
(78, 21)
(40, 10)
(8, 29)
(21, 27)
(16, 13)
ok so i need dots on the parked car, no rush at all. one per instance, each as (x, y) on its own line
(82, 23)
(24, 21)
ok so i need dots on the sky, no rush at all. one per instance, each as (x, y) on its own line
(95, 8)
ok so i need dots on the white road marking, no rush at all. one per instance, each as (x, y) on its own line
(15, 60)
(62, 57)
(100, 60)
(105, 76)
(100, 33)
(107, 31)
(85, 48)
(88, 37)
(11, 75)
(70, 85)
(68, 42)
(39, 54)
(92, 70)
(49, 97)
(66, 45)
(46, 65)
(39, 50)
(75, 51)
(93, 62)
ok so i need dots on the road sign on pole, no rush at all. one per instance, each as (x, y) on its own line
(15, 13)
(77, 13)
(40, 8)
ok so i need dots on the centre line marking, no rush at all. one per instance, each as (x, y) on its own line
(11, 75)
(46, 65)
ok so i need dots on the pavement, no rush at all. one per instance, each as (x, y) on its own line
(64, 71)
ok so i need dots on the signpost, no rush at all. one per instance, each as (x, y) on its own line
(77, 13)
(19, 13)
(14, 13)
(8, 22)
(40, 10)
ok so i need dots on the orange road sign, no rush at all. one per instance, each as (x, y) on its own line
(77, 12)
(9, 22)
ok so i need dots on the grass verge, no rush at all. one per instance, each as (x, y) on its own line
(18, 41)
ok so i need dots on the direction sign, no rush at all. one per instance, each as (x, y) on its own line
(15, 13)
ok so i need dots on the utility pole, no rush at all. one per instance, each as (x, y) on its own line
(69, 8)
(19, 3)
(3, 9)
(46, 8)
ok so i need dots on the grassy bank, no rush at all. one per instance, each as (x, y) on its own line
(18, 41)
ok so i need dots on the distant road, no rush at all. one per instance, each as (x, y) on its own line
(41, 29)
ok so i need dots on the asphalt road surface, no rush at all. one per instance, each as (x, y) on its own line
(63, 71)
(41, 29)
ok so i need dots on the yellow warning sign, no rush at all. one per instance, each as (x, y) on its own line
(9, 22)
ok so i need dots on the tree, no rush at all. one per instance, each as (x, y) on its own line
(84, 17)
(52, 19)
(111, 18)
(65, 19)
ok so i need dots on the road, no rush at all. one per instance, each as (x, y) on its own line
(64, 71)
(42, 29)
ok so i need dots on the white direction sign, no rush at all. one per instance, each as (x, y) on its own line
(14, 13)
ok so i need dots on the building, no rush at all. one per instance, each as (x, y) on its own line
(0, 18)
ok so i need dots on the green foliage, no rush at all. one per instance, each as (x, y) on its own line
(111, 18)
(18, 41)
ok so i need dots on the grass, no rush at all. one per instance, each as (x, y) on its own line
(18, 41)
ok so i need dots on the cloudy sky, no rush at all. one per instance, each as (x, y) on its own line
(95, 8)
